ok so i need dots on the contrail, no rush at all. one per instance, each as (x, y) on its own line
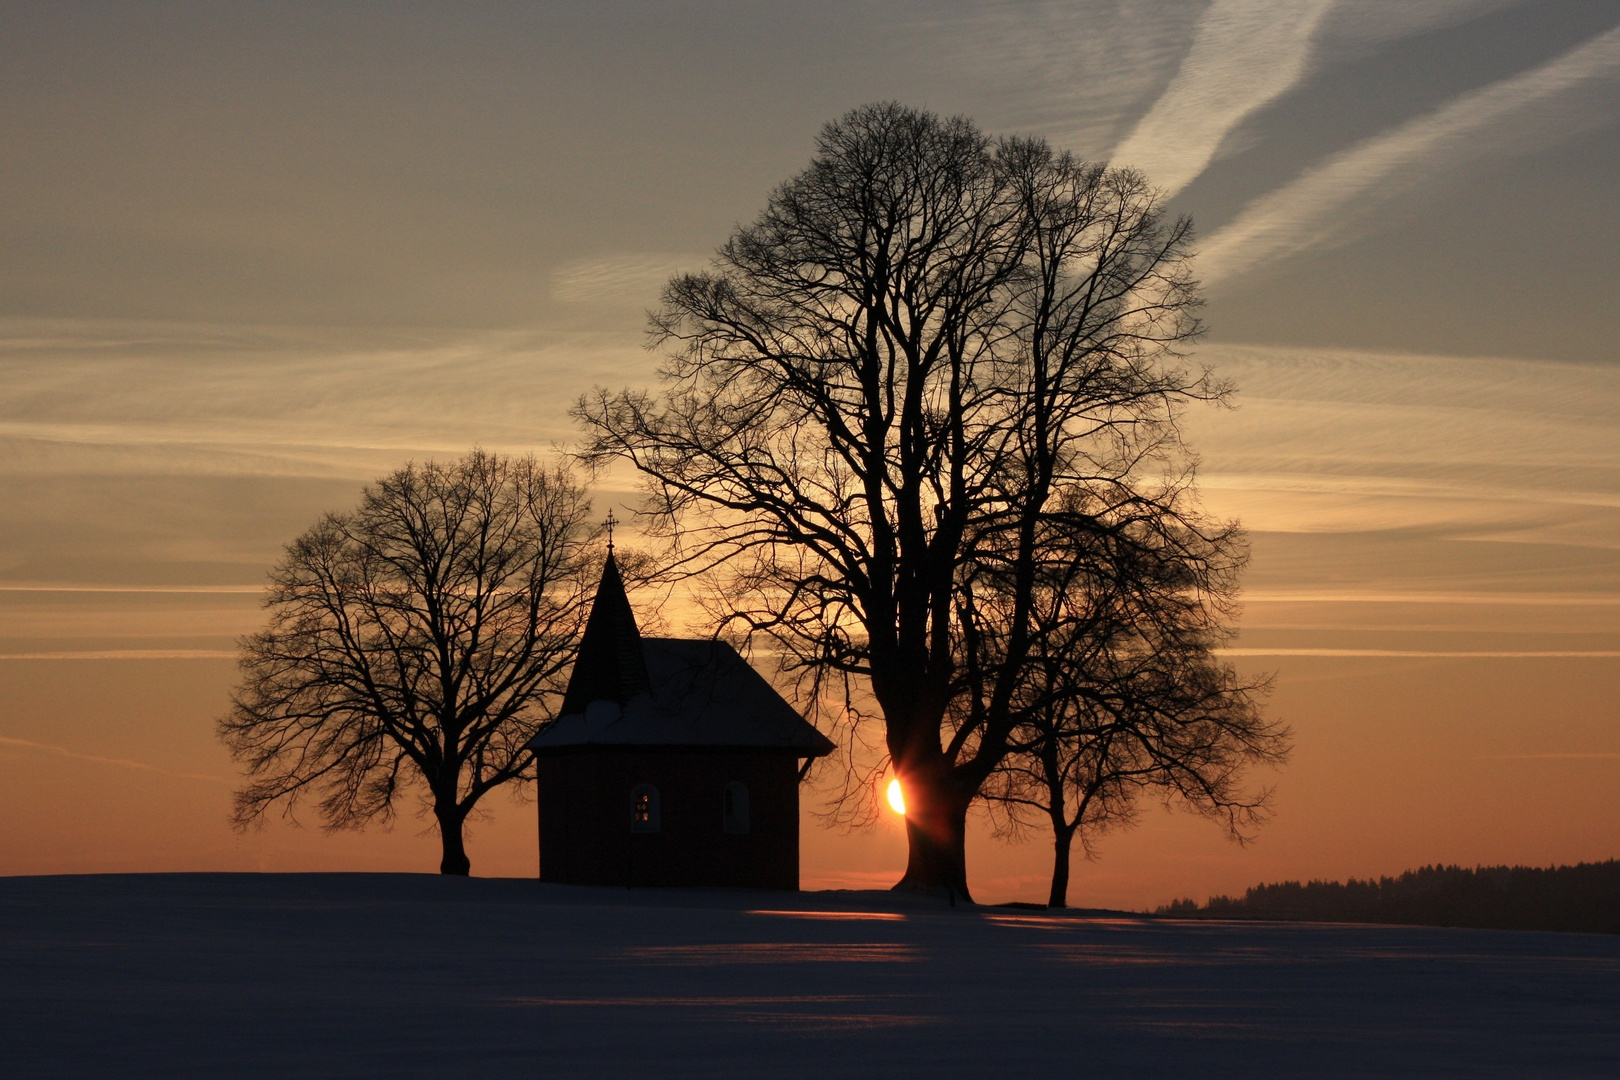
(1320, 207)
(1395, 597)
(1436, 654)
(1549, 757)
(1247, 53)
(637, 277)
(75, 587)
(124, 762)
(126, 654)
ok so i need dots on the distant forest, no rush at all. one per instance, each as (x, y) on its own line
(1584, 898)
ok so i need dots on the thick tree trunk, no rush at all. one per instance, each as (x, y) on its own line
(455, 859)
(1062, 843)
(936, 837)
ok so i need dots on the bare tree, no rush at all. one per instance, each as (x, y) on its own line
(927, 344)
(1124, 695)
(414, 643)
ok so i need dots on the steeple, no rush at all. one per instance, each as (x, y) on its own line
(611, 665)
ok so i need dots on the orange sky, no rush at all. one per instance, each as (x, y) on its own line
(1381, 782)
(258, 256)
(110, 764)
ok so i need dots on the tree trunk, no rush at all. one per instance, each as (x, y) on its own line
(1062, 842)
(455, 859)
(936, 836)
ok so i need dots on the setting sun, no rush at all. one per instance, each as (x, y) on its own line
(897, 801)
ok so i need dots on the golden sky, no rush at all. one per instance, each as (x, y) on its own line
(256, 255)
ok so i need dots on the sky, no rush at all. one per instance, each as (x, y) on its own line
(258, 255)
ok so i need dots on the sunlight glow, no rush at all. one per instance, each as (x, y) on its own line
(897, 801)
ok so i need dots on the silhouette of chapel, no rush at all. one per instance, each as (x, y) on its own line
(672, 762)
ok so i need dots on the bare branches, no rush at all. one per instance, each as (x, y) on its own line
(417, 639)
(1122, 693)
(931, 353)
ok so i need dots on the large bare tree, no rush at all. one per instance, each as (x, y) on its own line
(928, 344)
(414, 643)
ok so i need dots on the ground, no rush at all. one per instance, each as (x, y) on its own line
(401, 975)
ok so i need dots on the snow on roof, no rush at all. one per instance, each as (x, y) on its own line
(627, 690)
(701, 694)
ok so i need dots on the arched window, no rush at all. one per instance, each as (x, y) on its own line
(644, 808)
(734, 809)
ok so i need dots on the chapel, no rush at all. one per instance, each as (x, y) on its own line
(671, 762)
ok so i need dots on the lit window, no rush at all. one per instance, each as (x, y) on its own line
(644, 808)
(734, 813)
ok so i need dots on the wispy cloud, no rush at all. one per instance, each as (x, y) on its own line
(1435, 654)
(1247, 53)
(125, 654)
(618, 279)
(1337, 440)
(125, 763)
(1331, 202)
(111, 397)
(1549, 757)
(127, 445)
(1501, 599)
(1080, 74)
(1354, 25)
(72, 587)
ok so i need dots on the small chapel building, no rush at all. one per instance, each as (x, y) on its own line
(672, 762)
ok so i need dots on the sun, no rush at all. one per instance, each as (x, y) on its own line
(897, 800)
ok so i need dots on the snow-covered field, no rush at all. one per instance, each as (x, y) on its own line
(399, 975)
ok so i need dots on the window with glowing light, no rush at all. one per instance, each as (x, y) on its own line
(734, 808)
(644, 809)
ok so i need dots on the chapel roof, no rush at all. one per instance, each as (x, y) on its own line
(628, 691)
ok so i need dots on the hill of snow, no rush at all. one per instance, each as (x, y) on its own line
(401, 975)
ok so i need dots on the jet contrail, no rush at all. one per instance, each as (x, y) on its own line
(126, 654)
(1247, 53)
(1320, 207)
(1435, 654)
(123, 762)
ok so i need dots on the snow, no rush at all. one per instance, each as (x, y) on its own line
(245, 975)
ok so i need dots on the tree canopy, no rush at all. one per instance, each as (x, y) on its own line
(937, 364)
(415, 642)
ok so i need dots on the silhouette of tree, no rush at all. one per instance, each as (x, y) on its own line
(928, 347)
(1124, 695)
(413, 643)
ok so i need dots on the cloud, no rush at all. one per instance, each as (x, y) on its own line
(634, 279)
(1337, 440)
(114, 397)
(49, 587)
(1435, 654)
(1079, 74)
(1310, 596)
(174, 454)
(1330, 203)
(1353, 26)
(125, 654)
(1247, 53)
(1548, 757)
(63, 751)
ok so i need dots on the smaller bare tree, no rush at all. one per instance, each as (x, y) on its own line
(1123, 694)
(415, 642)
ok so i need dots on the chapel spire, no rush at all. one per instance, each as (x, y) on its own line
(611, 665)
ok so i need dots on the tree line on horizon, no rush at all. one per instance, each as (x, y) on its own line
(1583, 898)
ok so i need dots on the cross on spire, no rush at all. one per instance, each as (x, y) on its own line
(610, 522)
